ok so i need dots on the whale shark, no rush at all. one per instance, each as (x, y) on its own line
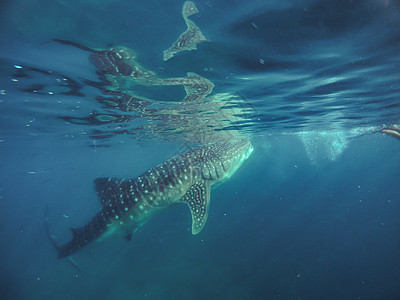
(126, 204)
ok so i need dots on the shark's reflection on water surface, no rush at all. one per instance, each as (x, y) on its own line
(199, 113)
(201, 119)
(210, 123)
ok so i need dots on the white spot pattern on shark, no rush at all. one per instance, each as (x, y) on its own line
(128, 203)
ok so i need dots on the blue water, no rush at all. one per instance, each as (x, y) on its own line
(314, 213)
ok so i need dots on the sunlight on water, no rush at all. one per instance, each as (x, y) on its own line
(322, 145)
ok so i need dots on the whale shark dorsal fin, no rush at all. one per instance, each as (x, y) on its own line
(198, 199)
(76, 232)
(107, 188)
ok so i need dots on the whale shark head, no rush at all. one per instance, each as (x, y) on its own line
(221, 160)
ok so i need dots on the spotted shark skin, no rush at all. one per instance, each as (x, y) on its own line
(128, 203)
(189, 39)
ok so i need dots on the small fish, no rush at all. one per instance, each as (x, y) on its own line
(393, 131)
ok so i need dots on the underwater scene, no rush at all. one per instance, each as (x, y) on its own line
(207, 149)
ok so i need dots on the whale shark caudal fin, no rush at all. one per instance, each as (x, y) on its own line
(46, 223)
(198, 199)
(53, 239)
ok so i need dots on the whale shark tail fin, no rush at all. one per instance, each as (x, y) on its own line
(52, 239)
(49, 234)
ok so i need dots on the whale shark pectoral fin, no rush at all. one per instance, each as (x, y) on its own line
(198, 199)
